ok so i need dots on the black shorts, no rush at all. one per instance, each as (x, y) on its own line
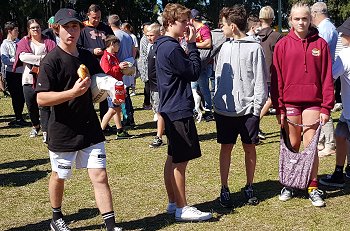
(183, 143)
(228, 128)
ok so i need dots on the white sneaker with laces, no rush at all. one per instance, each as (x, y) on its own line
(286, 194)
(327, 151)
(171, 208)
(316, 199)
(189, 213)
(117, 229)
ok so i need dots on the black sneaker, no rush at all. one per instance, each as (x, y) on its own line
(19, 123)
(59, 225)
(208, 116)
(249, 195)
(347, 171)
(334, 180)
(225, 198)
(123, 135)
(157, 142)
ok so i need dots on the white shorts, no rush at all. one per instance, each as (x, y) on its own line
(90, 157)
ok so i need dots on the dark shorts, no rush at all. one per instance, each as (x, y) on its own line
(228, 128)
(183, 143)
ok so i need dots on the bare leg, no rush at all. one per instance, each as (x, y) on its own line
(179, 183)
(56, 188)
(266, 108)
(117, 118)
(107, 117)
(168, 176)
(225, 162)
(103, 196)
(160, 126)
(342, 150)
(250, 161)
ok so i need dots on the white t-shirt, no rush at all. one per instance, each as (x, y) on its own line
(134, 39)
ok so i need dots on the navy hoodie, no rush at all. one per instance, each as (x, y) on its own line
(175, 72)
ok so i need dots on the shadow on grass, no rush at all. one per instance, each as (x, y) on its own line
(26, 164)
(17, 179)
(82, 214)
(207, 136)
(9, 136)
(147, 125)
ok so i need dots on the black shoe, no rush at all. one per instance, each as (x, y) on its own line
(59, 225)
(334, 180)
(157, 142)
(347, 171)
(123, 135)
(208, 116)
(262, 135)
(225, 198)
(249, 195)
(19, 123)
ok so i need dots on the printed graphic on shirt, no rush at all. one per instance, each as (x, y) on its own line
(94, 34)
(316, 52)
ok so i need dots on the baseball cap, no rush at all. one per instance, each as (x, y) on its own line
(51, 20)
(345, 27)
(196, 14)
(65, 15)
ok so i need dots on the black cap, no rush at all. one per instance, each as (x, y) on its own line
(65, 15)
(195, 14)
(345, 27)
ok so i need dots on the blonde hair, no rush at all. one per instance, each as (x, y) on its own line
(154, 27)
(297, 6)
(266, 13)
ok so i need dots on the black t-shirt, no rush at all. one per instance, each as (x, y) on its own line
(73, 125)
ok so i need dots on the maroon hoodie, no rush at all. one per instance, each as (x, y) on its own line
(302, 73)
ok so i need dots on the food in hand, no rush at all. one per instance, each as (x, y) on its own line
(83, 72)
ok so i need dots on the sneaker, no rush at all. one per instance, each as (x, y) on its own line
(208, 116)
(337, 107)
(117, 229)
(347, 171)
(133, 93)
(262, 135)
(249, 195)
(225, 198)
(327, 151)
(157, 142)
(272, 111)
(315, 196)
(171, 208)
(147, 107)
(45, 137)
(59, 225)
(19, 123)
(188, 213)
(334, 180)
(320, 146)
(34, 132)
(123, 135)
(286, 194)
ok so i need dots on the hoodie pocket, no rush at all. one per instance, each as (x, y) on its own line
(299, 93)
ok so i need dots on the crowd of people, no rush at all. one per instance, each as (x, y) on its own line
(240, 71)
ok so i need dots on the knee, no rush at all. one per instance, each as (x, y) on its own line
(98, 176)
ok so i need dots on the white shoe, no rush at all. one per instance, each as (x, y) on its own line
(337, 107)
(286, 194)
(327, 151)
(320, 146)
(117, 229)
(188, 213)
(171, 208)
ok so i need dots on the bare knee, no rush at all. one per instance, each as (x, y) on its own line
(98, 176)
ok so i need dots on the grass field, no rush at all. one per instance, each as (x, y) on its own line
(136, 179)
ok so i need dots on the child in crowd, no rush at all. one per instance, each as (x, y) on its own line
(111, 65)
(153, 32)
(175, 71)
(341, 68)
(240, 94)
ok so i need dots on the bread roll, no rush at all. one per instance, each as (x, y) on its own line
(83, 72)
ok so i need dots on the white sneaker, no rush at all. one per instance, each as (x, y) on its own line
(337, 107)
(286, 194)
(117, 229)
(171, 208)
(188, 213)
(327, 151)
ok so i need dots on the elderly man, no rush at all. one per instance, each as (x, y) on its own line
(329, 33)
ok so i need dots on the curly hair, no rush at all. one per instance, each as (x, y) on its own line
(173, 12)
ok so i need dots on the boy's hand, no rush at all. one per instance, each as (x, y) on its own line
(123, 65)
(190, 35)
(324, 118)
(98, 51)
(81, 86)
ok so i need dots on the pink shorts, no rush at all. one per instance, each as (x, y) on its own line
(296, 110)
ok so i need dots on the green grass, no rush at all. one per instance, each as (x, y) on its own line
(136, 179)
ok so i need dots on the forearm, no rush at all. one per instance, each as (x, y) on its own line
(52, 98)
(30, 58)
(204, 45)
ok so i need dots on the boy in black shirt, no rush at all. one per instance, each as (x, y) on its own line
(74, 128)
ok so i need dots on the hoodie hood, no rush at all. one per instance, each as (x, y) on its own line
(264, 33)
(163, 39)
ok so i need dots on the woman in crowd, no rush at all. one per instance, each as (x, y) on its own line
(30, 51)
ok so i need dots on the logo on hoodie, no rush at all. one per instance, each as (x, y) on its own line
(316, 52)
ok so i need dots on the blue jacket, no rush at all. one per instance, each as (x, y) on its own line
(175, 72)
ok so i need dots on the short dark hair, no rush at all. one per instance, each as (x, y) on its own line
(9, 26)
(94, 8)
(111, 39)
(235, 14)
(252, 21)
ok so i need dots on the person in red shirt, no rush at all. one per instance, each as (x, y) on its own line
(111, 66)
(302, 87)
